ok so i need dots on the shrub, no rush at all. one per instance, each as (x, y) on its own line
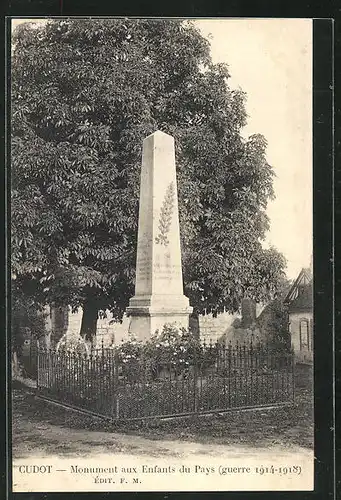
(172, 350)
(129, 355)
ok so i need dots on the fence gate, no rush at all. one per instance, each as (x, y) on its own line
(219, 378)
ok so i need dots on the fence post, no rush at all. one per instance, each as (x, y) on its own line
(50, 368)
(38, 367)
(223, 369)
(251, 370)
(292, 358)
(116, 381)
(195, 376)
(229, 371)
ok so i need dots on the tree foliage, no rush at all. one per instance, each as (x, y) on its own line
(27, 314)
(85, 93)
(277, 329)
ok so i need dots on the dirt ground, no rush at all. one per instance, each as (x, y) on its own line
(42, 429)
(46, 434)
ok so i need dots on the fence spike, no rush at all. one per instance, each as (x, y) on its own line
(89, 384)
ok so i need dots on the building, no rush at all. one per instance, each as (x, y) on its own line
(299, 302)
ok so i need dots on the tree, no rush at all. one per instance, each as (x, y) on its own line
(26, 314)
(85, 93)
(277, 328)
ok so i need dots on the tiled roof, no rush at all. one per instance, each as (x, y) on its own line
(303, 279)
(304, 299)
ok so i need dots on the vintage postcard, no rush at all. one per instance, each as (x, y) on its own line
(162, 316)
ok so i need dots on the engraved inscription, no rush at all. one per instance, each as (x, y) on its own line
(144, 267)
(165, 271)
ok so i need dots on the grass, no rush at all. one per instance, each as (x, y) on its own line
(286, 426)
(150, 398)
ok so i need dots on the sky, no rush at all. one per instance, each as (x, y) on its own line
(271, 60)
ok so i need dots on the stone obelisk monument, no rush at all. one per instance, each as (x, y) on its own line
(159, 297)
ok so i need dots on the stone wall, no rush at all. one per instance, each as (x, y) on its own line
(107, 332)
(56, 319)
(232, 327)
(206, 326)
(111, 333)
(75, 321)
(214, 327)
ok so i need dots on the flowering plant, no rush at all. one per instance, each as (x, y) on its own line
(173, 348)
(129, 354)
(71, 342)
(129, 349)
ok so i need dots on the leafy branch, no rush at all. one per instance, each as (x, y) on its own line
(166, 216)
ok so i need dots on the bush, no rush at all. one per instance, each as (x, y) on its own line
(173, 349)
(128, 355)
(172, 354)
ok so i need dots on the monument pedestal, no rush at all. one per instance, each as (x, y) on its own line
(151, 313)
(159, 297)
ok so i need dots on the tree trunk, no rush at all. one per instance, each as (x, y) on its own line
(16, 366)
(59, 323)
(89, 321)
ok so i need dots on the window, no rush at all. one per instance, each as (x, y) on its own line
(304, 335)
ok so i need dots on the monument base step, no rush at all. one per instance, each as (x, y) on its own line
(158, 303)
(146, 321)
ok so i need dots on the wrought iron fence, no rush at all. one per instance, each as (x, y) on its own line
(219, 377)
